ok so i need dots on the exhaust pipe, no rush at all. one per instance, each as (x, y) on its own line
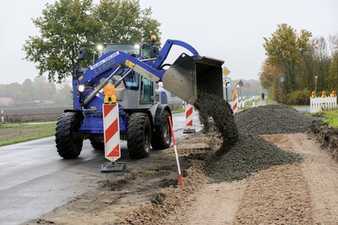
(189, 77)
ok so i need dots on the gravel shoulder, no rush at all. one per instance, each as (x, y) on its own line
(320, 172)
(215, 204)
(278, 195)
(302, 193)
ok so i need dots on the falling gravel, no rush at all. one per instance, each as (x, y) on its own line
(215, 108)
(272, 119)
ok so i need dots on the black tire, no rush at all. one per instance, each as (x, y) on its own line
(139, 135)
(161, 138)
(96, 144)
(68, 141)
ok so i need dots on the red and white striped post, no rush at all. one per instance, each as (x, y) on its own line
(234, 105)
(189, 110)
(235, 100)
(179, 172)
(111, 126)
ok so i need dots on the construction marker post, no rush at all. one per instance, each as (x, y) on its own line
(112, 146)
(111, 126)
(189, 110)
(179, 177)
(235, 100)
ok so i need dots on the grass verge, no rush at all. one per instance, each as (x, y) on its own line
(178, 110)
(12, 133)
(331, 117)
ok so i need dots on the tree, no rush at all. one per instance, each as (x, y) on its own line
(27, 88)
(124, 21)
(64, 27)
(285, 49)
(63, 95)
(333, 72)
(68, 25)
(300, 62)
(43, 90)
(322, 62)
(269, 74)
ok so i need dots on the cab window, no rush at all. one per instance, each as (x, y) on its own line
(147, 91)
(132, 81)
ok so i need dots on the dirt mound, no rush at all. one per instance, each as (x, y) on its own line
(327, 136)
(272, 119)
(249, 155)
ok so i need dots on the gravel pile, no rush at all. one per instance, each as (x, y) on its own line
(246, 155)
(272, 119)
(249, 155)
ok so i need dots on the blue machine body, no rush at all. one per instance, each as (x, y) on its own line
(106, 66)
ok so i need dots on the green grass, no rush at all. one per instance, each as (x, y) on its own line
(12, 133)
(331, 117)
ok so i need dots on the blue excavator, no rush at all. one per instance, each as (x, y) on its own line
(134, 71)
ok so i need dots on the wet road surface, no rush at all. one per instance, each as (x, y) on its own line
(34, 179)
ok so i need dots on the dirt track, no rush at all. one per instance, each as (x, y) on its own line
(321, 174)
(305, 193)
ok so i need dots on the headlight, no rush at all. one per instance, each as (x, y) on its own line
(81, 88)
(137, 46)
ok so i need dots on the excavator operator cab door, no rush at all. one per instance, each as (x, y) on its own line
(146, 91)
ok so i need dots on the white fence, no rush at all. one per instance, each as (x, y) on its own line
(319, 104)
(2, 116)
(248, 102)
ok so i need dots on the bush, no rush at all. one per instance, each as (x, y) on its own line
(300, 97)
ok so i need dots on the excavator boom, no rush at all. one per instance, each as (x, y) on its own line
(188, 77)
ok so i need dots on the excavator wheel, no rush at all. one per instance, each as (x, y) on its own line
(161, 138)
(139, 135)
(68, 140)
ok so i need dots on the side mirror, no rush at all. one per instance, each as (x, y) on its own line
(82, 54)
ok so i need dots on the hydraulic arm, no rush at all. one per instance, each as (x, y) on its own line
(189, 76)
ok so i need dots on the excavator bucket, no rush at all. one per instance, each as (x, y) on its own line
(190, 77)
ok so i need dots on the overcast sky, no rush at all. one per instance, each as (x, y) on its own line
(224, 29)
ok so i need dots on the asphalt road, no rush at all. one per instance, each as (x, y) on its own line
(34, 179)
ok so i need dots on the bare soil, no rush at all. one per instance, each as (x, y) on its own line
(278, 195)
(320, 172)
(292, 194)
(301, 193)
(215, 204)
(146, 194)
